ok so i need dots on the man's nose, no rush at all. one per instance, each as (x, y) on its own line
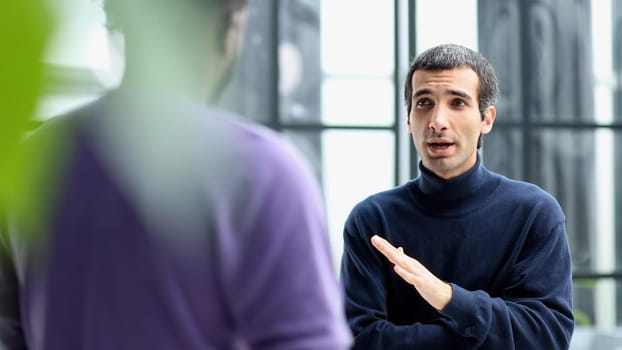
(438, 120)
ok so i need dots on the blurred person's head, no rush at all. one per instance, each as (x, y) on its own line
(450, 56)
(188, 46)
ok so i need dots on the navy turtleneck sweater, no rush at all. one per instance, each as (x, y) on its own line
(500, 243)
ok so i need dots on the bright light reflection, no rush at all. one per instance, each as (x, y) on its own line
(356, 164)
(446, 21)
(357, 101)
(357, 37)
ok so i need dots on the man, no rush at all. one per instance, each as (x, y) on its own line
(169, 225)
(460, 257)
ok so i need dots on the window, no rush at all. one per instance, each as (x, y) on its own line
(329, 76)
(558, 126)
(352, 137)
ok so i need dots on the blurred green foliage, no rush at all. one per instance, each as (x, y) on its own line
(25, 30)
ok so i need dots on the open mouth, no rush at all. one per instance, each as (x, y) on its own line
(440, 145)
(441, 149)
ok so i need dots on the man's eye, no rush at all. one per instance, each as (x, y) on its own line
(459, 102)
(424, 102)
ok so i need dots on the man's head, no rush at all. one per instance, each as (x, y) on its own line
(450, 94)
(180, 43)
(455, 56)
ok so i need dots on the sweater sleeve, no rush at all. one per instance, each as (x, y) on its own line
(363, 274)
(535, 310)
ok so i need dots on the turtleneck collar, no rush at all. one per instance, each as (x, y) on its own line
(457, 194)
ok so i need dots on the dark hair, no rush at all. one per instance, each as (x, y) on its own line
(450, 56)
(118, 13)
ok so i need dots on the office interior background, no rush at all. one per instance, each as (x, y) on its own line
(329, 75)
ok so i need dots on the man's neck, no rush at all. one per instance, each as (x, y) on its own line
(162, 68)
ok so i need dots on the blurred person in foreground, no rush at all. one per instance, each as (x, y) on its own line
(25, 28)
(169, 224)
(460, 257)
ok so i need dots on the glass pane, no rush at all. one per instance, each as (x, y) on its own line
(458, 18)
(502, 151)
(300, 74)
(353, 165)
(357, 37)
(565, 163)
(594, 302)
(358, 101)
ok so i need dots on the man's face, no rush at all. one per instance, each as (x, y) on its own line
(445, 121)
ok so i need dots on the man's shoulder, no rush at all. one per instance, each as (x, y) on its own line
(255, 139)
(155, 130)
(263, 149)
(65, 121)
(388, 199)
(392, 194)
(126, 116)
(523, 189)
(527, 194)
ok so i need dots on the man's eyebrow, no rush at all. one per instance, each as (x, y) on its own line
(453, 92)
(460, 93)
(421, 92)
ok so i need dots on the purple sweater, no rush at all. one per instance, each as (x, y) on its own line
(172, 227)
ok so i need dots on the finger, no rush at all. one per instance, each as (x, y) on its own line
(388, 250)
(381, 244)
(404, 274)
(408, 263)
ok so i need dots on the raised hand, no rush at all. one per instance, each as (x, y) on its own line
(433, 290)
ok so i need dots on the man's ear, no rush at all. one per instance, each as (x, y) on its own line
(489, 119)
